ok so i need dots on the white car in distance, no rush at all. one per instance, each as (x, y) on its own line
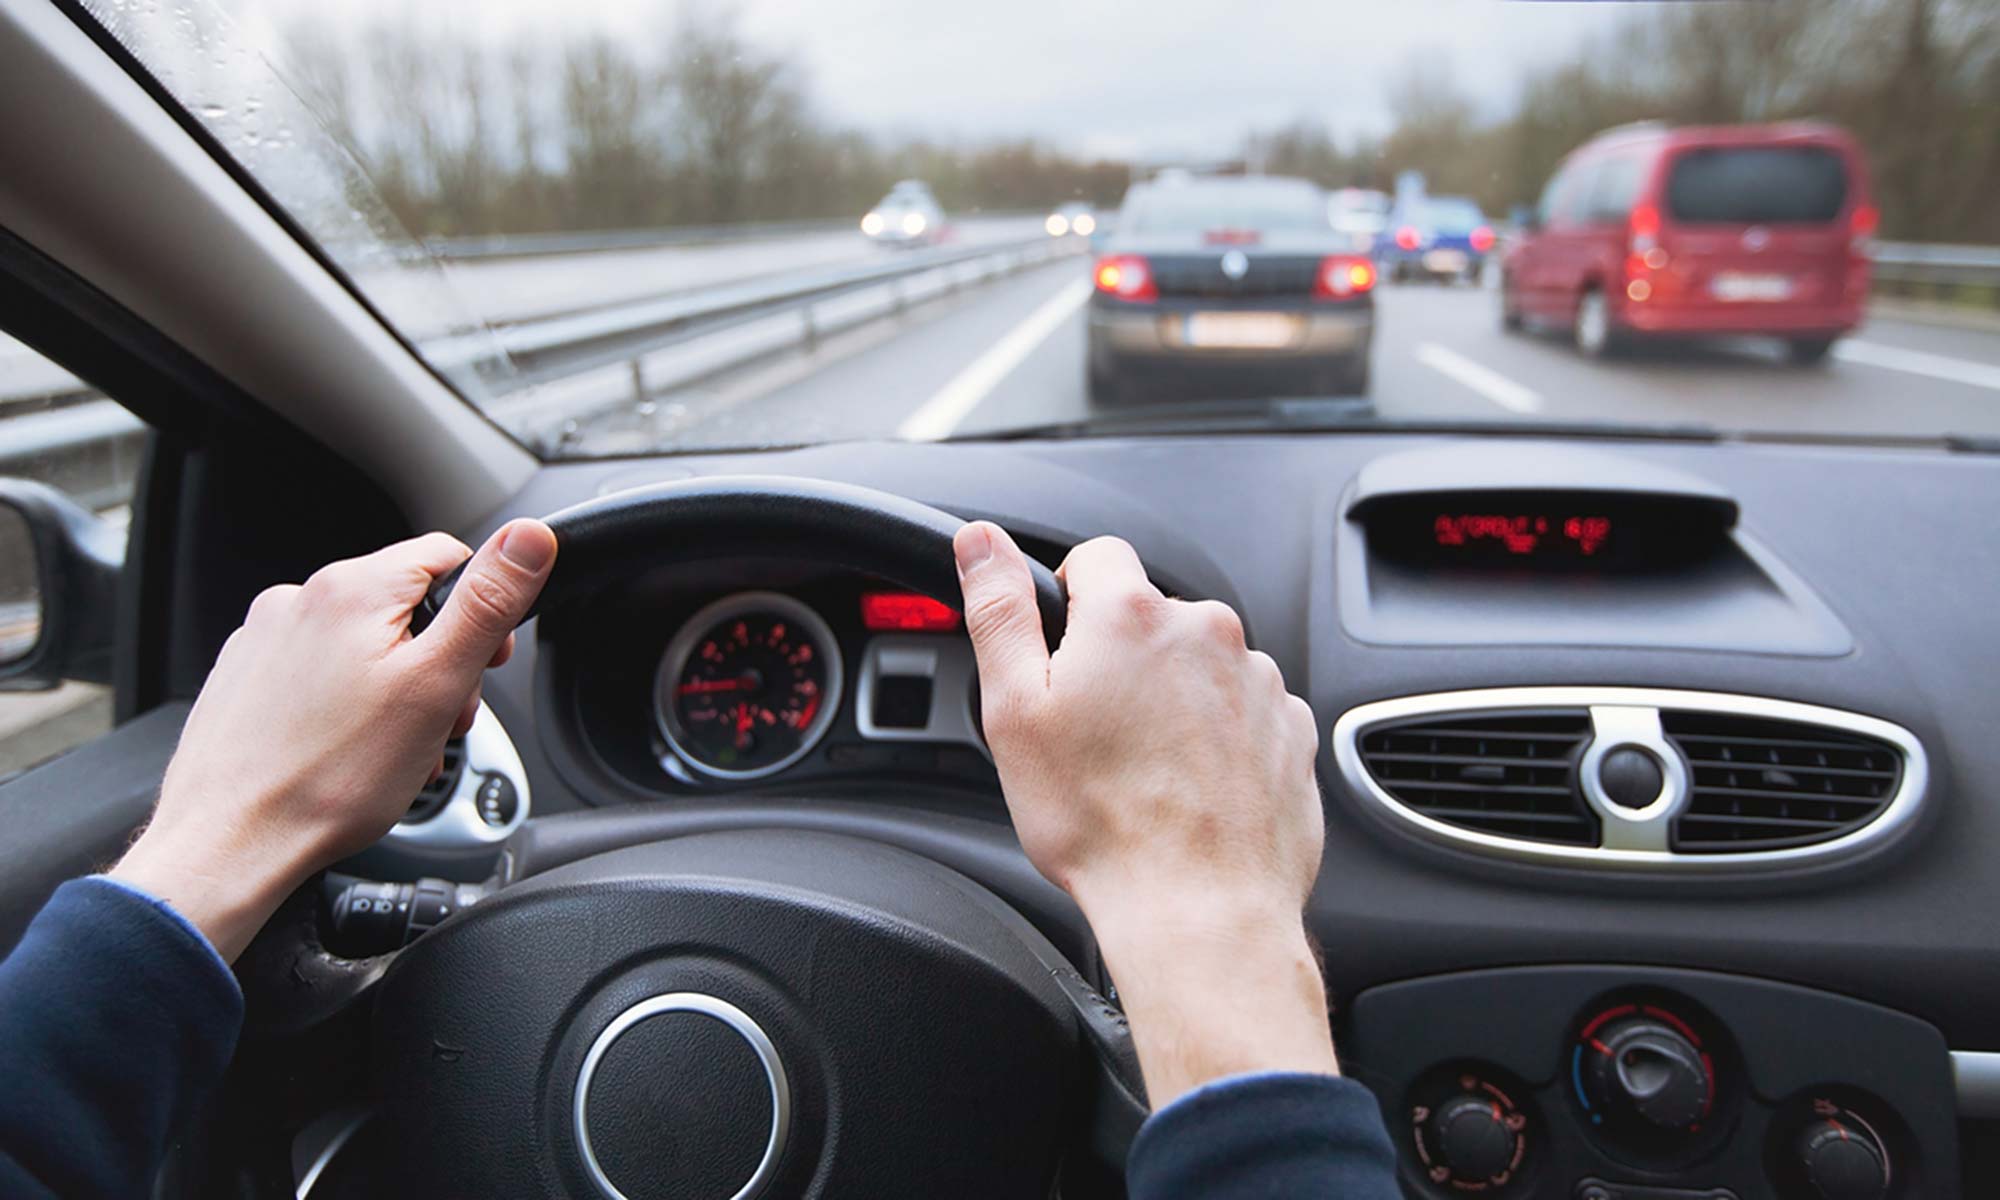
(908, 216)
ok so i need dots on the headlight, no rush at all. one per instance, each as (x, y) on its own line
(913, 223)
(1084, 225)
(872, 224)
(1057, 225)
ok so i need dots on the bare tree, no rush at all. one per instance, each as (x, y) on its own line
(735, 107)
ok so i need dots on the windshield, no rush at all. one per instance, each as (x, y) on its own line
(648, 226)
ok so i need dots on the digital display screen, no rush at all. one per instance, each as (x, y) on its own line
(1589, 532)
(1525, 534)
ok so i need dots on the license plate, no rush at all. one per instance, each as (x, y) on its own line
(1240, 331)
(1445, 262)
(1732, 286)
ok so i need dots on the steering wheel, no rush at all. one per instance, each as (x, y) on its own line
(750, 1014)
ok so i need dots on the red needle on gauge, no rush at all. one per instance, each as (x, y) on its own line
(743, 719)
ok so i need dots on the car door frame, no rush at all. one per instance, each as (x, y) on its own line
(195, 555)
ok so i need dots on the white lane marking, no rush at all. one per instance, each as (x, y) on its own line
(1488, 383)
(955, 401)
(1916, 362)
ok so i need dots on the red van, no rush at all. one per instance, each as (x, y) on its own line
(1724, 230)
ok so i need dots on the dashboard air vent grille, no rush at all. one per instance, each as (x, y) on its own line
(1504, 773)
(439, 790)
(1761, 784)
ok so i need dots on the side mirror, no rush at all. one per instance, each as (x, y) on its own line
(1524, 218)
(59, 565)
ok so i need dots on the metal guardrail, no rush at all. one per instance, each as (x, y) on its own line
(626, 354)
(83, 444)
(533, 351)
(597, 240)
(1936, 266)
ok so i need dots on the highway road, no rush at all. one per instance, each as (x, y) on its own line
(1012, 354)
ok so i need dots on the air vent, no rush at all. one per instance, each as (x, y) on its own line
(1565, 776)
(1761, 784)
(1512, 774)
(439, 790)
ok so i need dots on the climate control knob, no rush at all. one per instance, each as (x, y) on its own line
(1470, 1134)
(1471, 1139)
(1842, 1161)
(1647, 1069)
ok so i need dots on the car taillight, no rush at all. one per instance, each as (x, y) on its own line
(1232, 237)
(1408, 238)
(1861, 227)
(1125, 276)
(1482, 239)
(1341, 276)
(1645, 228)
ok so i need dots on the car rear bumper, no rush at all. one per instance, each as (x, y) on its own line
(1440, 261)
(1158, 333)
(1745, 319)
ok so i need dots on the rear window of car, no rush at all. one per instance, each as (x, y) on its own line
(1756, 185)
(1245, 206)
(1453, 216)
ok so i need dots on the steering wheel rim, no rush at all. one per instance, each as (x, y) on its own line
(904, 541)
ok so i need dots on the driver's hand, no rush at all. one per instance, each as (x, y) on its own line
(323, 718)
(1158, 771)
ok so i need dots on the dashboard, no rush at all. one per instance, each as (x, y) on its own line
(1659, 847)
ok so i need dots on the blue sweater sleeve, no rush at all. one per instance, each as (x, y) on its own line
(1265, 1136)
(116, 1017)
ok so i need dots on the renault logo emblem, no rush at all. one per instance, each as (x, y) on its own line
(1234, 264)
(1756, 238)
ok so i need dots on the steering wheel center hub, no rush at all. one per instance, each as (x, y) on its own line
(682, 1094)
(744, 1015)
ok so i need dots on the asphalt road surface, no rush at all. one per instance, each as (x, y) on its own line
(1012, 354)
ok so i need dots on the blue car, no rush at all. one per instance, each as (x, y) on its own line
(1435, 237)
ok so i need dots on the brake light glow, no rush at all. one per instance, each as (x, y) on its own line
(1127, 277)
(1341, 276)
(1482, 239)
(1639, 290)
(1408, 238)
(1861, 227)
(1232, 237)
(905, 612)
(1645, 228)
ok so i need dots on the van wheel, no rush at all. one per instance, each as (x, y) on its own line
(1594, 337)
(1510, 308)
(1806, 352)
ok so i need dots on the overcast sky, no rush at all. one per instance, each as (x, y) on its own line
(1100, 76)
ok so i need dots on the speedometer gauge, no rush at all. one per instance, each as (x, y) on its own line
(748, 685)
